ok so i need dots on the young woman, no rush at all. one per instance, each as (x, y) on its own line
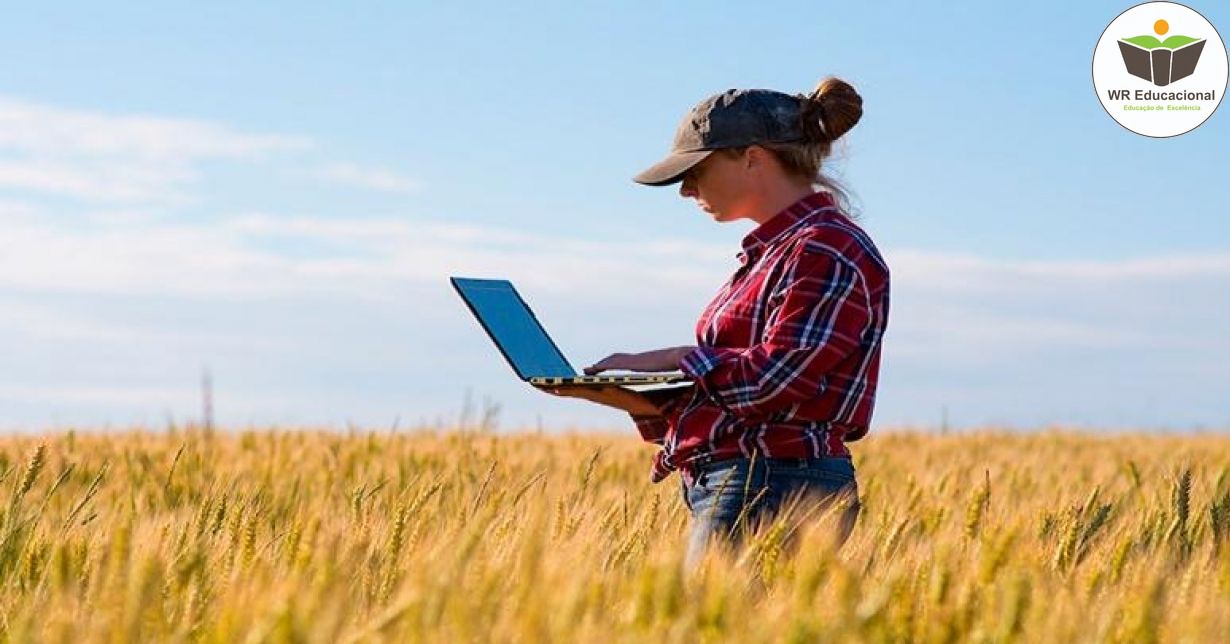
(788, 352)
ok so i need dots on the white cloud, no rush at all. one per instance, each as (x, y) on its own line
(946, 304)
(117, 292)
(974, 273)
(40, 323)
(98, 179)
(105, 158)
(104, 395)
(349, 174)
(981, 300)
(110, 158)
(46, 131)
(1025, 336)
(252, 255)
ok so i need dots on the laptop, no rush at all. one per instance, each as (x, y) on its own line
(511, 324)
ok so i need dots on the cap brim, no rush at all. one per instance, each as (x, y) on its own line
(671, 169)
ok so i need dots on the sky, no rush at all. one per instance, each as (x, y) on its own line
(276, 193)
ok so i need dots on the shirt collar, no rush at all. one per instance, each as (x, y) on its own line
(778, 224)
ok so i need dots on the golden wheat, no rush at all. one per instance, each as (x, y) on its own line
(303, 536)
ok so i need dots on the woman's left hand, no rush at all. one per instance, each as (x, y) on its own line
(628, 400)
(656, 360)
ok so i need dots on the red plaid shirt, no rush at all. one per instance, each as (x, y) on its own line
(788, 351)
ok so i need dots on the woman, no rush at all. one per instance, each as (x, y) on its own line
(788, 352)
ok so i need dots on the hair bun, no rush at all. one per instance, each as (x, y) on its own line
(830, 110)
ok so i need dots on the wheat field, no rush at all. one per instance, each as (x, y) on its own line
(311, 536)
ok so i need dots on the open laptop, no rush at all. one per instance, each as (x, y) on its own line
(525, 344)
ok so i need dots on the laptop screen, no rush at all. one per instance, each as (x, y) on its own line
(513, 327)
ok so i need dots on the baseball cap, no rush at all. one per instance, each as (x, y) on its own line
(731, 119)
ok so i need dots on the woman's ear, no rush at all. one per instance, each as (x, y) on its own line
(754, 157)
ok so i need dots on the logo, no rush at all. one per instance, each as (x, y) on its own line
(1160, 45)
(1161, 62)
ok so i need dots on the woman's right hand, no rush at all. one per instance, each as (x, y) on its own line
(648, 361)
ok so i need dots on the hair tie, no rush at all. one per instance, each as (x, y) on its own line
(811, 98)
(823, 117)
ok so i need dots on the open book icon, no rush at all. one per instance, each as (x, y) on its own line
(1161, 62)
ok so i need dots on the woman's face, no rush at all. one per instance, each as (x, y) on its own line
(721, 186)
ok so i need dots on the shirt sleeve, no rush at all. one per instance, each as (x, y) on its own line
(653, 427)
(823, 311)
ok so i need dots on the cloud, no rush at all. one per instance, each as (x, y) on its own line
(102, 158)
(937, 297)
(950, 303)
(98, 179)
(256, 254)
(52, 131)
(98, 157)
(110, 297)
(105, 395)
(349, 174)
(964, 272)
(363, 304)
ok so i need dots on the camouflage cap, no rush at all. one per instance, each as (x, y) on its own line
(734, 118)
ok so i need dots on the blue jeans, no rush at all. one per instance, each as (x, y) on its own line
(732, 498)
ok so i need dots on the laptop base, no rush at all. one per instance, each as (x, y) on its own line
(638, 379)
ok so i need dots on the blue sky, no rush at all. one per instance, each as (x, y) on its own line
(278, 192)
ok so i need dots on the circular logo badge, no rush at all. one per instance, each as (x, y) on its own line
(1159, 69)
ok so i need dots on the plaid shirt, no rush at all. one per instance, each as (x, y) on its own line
(788, 351)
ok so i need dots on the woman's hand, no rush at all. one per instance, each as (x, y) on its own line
(656, 360)
(613, 396)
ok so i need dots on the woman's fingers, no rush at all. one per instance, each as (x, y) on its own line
(575, 391)
(656, 360)
(603, 364)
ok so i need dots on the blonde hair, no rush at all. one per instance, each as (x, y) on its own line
(827, 113)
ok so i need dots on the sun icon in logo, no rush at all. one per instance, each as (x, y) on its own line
(1161, 27)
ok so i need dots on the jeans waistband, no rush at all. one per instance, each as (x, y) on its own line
(798, 462)
(691, 469)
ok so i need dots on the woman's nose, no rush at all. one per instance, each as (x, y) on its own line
(687, 188)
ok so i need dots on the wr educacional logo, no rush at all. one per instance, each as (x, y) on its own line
(1161, 62)
(1181, 59)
